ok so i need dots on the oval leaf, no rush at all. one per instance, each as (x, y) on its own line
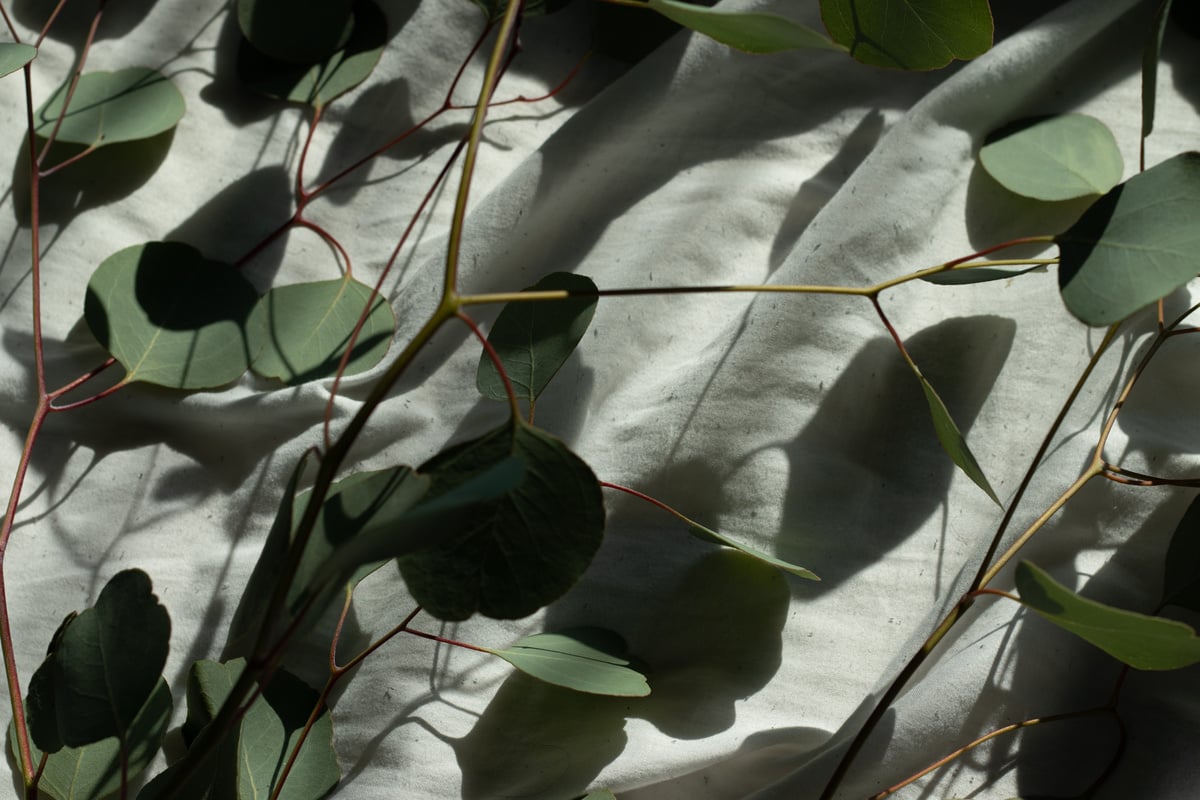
(1059, 158)
(108, 107)
(1134, 245)
(298, 333)
(749, 32)
(13, 56)
(109, 660)
(1138, 640)
(910, 34)
(170, 316)
(590, 660)
(535, 339)
(1181, 583)
(300, 31)
(318, 84)
(517, 553)
(952, 440)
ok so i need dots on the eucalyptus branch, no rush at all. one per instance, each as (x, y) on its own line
(83, 55)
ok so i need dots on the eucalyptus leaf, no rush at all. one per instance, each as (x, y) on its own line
(298, 333)
(41, 714)
(952, 440)
(958, 277)
(708, 535)
(109, 660)
(108, 107)
(1181, 583)
(590, 660)
(300, 31)
(520, 552)
(1150, 57)
(1141, 641)
(534, 339)
(1058, 158)
(170, 316)
(913, 34)
(1134, 245)
(494, 9)
(318, 84)
(746, 31)
(93, 771)
(13, 56)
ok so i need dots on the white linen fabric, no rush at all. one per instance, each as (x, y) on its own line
(789, 422)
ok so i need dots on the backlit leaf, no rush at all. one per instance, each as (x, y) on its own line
(1181, 583)
(590, 660)
(708, 535)
(1058, 158)
(170, 316)
(520, 552)
(1134, 245)
(13, 56)
(910, 34)
(109, 660)
(107, 107)
(298, 333)
(300, 31)
(952, 440)
(1150, 65)
(1138, 640)
(535, 339)
(747, 31)
(318, 84)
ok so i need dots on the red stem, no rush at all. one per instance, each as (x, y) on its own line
(83, 55)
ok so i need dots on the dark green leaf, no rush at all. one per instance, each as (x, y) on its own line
(1181, 583)
(94, 771)
(708, 535)
(170, 316)
(749, 32)
(1138, 640)
(318, 84)
(957, 277)
(298, 333)
(1135, 245)
(1150, 65)
(910, 34)
(535, 339)
(299, 31)
(13, 56)
(41, 716)
(599, 794)
(109, 660)
(590, 660)
(520, 552)
(952, 440)
(108, 107)
(1057, 158)
(494, 9)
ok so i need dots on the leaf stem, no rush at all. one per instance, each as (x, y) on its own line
(83, 55)
(496, 362)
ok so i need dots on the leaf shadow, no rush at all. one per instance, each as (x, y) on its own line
(72, 23)
(860, 481)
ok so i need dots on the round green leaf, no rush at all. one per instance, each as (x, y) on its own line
(1138, 640)
(590, 660)
(912, 34)
(298, 333)
(108, 107)
(1134, 245)
(109, 660)
(520, 552)
(750, 32)
(534, 340)
(170, 316)
(1059, 158)
(300, 31)
(13, 56)
(318, 84)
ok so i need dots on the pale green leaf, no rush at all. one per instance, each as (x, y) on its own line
(590, 660)
(910, 34)
(952, 440)
(747, 31)
(1057, 158)
(13, 56)
(1141, 641)
(708, 535)
(107, 107)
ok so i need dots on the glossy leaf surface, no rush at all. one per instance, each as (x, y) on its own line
(108, 107)
(170, 316)
(318, 84)
(708, 535)
(590, 660)
(910, 34)
(952, 440)
(746, 31)
(520, 552)
(93, 771)
(298, 333)
(1138, 640)
(300, 31)
(13, 56)
(1181, 582)
(1059, 158)
(1135, 245)
(535, 339)
(109, 660)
